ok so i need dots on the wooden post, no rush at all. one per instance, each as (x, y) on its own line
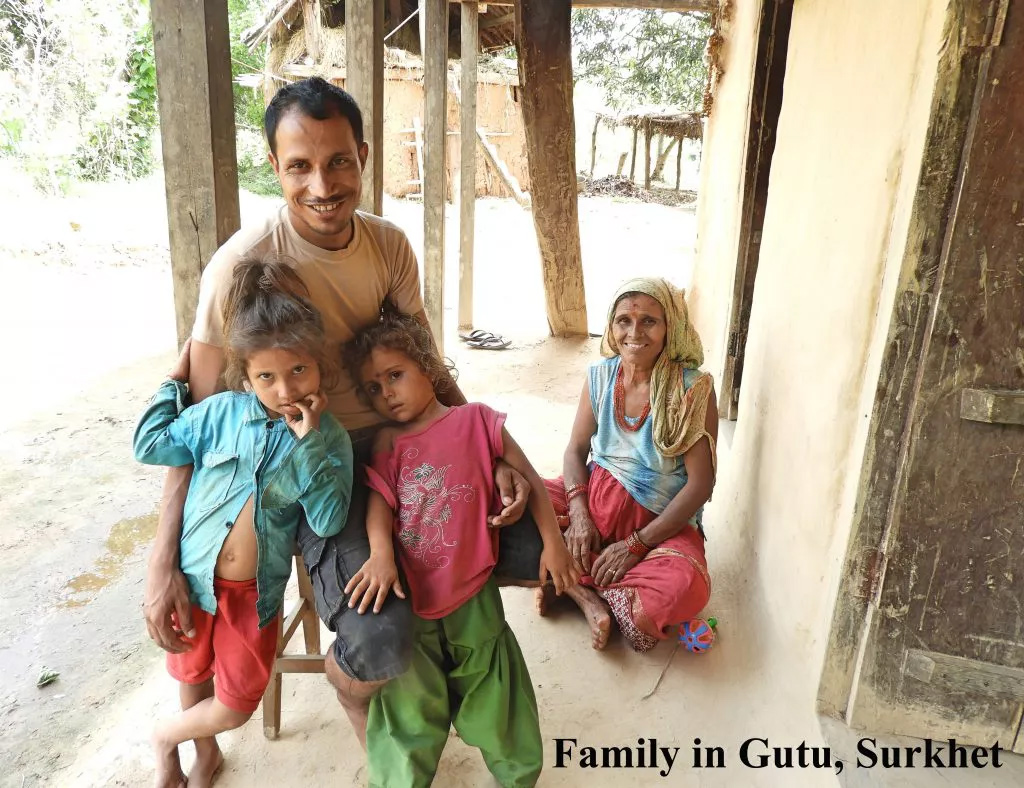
(622, 163)
(364, 79)
(593, 146)
(467, 160)
(197, 131)
(435, 88)
(632, 162)
(647, 156)
(545, 74)
(311, 28)
(679, 163)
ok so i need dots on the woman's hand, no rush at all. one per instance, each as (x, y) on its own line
(514, 491)
(308, 418)
(613, 563)
(370, 585)
(582, 538)
(558, 561)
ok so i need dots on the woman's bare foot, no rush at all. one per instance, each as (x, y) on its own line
(542, 599)
(208, 763)
(168, 765)
(598, 614)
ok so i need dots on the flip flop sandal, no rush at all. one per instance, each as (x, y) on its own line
(476, 336)
(490, 343)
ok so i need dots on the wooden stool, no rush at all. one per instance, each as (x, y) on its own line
(310, 662)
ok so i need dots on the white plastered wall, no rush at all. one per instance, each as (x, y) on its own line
(857, 95)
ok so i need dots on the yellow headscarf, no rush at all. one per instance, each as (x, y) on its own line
(678, 413)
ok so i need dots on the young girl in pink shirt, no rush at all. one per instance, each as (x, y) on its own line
(431, 482)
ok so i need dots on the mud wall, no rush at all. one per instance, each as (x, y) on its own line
(858, 86)
(497, 113)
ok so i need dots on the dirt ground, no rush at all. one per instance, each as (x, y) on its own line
(88, 325)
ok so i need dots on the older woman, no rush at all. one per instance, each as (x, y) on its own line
(648, 421)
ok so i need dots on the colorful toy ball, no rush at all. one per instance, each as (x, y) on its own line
(697, 634)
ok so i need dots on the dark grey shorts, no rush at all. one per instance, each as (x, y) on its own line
(378, 646)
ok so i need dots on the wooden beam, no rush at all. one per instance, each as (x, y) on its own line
(311, 28)
(632, 161)
(498, 21)
(544, 43)
(435, 88)
(498, 163)
(679, 164)
(647, 156)
(197, 132)
(708, 6)
(364, 65)
(470, 38)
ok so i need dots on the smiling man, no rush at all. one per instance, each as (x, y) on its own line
(352, 263)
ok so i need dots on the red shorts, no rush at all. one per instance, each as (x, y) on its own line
(230, 646)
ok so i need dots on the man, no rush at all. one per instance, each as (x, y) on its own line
(352, 262)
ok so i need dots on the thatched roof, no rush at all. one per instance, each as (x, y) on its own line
(660, 120)
(285, 17)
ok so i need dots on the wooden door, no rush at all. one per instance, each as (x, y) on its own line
(942, 641)
(765, 105)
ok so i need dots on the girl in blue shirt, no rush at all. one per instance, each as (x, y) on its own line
(265, 455)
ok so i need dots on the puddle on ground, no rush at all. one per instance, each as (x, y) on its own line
(124, 538)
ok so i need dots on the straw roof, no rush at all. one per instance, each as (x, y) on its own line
(660, 120)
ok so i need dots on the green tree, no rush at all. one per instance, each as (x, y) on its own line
(643, 57)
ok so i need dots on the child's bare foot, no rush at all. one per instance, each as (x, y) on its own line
(597, 612)
(208, 763)
(542, 599)
(168, 765)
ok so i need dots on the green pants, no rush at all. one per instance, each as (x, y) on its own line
(466, 670)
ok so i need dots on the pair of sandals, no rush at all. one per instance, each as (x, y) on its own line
(485, 340)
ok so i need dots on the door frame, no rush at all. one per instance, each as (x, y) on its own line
(762, 127)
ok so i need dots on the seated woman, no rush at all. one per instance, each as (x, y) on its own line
(648, 420)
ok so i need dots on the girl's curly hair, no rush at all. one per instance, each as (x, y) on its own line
(405, 334)
(268, 306)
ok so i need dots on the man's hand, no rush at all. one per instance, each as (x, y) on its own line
(167, 593)
(370, 585)
(308, 417)
(514, 491)
(582, 538)
(180, 370)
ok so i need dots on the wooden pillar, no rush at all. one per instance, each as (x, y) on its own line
(632, 161)
(679, 163)
(197, 132)
(545, 74)
(622, 163)
(364, 79)
(435, 88)
(593, 146)
(467, 160)
(647, 156)
(311, 28)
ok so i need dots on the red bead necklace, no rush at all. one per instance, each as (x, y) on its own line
(619, 398)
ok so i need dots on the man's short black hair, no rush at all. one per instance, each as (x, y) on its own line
(315, 98)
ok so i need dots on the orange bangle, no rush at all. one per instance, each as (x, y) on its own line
(636, 545)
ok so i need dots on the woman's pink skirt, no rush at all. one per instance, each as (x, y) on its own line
(671, 585)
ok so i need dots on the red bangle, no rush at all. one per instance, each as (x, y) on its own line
(574, 491)
(636, 545)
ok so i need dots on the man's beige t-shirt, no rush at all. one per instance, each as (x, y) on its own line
(347, 286)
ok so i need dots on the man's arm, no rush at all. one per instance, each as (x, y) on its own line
(166, 588)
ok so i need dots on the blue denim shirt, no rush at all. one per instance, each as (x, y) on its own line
(237, 453)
